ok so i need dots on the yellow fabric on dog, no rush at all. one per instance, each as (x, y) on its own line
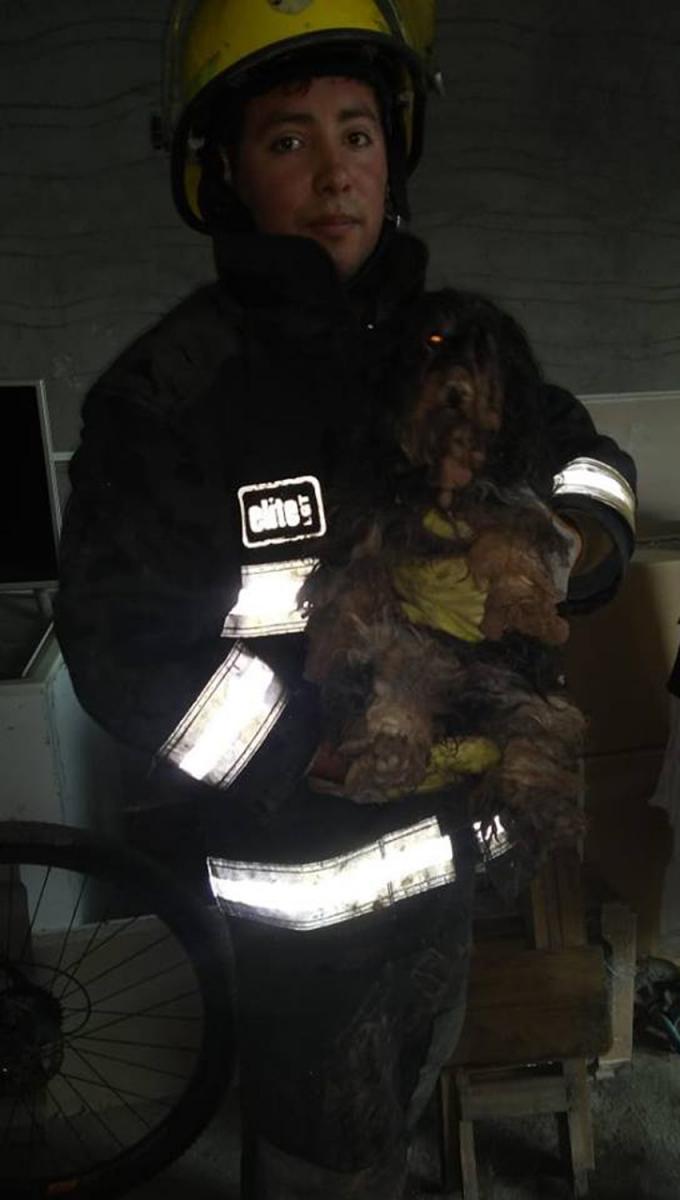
(458, 756)
(441, 592)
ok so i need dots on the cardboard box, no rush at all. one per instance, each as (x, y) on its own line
(618, 662)
(629, 841)
(619, 658)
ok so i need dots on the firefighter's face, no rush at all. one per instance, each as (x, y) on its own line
(312, 163)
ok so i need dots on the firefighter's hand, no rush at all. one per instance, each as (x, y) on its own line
(563, 564)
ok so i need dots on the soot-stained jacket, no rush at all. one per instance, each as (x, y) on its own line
(256, 380)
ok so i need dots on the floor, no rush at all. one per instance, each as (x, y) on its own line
(637, 1136)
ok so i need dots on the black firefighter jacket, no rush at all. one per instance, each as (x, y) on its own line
(257, 377)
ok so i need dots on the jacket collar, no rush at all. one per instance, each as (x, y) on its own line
(266, 274)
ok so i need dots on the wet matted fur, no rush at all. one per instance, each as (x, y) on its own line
(457, 435)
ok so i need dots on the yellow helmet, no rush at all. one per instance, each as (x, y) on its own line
(215, 47)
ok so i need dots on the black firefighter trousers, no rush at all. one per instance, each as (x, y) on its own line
(343, 1032)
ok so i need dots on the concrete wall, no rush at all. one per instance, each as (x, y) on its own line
(91, 251)
(552, 182)
(553, 179)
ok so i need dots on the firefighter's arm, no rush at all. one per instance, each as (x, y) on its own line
(594, 492)
(151, 569)
(147, 567)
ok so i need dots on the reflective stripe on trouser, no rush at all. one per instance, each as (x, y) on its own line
(492, 838)
(228, 722)
(343, 1033)
(307, 896)
(599, 481)
(507, 861)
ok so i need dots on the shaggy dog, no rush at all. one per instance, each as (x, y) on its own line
(445, 509)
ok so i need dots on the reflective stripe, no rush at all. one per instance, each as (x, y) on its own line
(314, 895)
(267, 601)
(589, 477)
(229, 721)
(492, 839)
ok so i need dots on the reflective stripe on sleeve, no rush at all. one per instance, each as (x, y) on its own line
(229, 721)
(267, 601)
(314, 895)
(589, 477)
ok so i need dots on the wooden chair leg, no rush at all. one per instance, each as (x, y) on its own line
(468, 1161)
(446, 1131)
(457, 1139)
(580, 1121)
(466, 1137)
(575, 1126)
(619, 929)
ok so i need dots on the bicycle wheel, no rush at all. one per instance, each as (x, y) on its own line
(116, 1014)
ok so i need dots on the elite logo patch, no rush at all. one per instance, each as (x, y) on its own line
(288, 510)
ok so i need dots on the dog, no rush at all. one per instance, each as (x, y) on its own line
(433, 616)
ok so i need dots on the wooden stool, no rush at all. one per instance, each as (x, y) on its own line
(561, 1088)
(535, 1016)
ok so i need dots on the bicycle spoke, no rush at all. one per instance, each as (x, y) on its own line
(137, 983)
(120, 1093)
(71, 923)
(131, 1042)
(29, 931)
(10, 906)
(116, 1012)
(142, 1012)
(70, 1123)
(97, 1115)
(31, 1113)
(72, 967)
(116, 1091)
(123, 962)
(139, 1066)
(11, 1119)
(119, 1075)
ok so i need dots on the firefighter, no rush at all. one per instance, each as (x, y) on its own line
(198, 503)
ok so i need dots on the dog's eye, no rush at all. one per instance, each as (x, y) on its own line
(434, 340)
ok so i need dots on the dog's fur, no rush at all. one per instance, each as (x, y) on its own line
(458, 433)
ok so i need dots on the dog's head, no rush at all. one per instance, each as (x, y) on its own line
(467, 392)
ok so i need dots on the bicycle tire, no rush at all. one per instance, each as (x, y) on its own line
(203, 941)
